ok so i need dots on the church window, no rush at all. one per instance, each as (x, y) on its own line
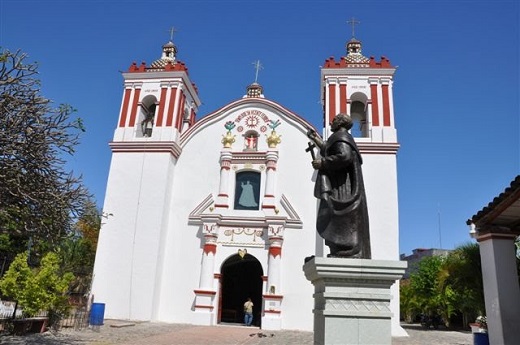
(247, 190)
(251, 141)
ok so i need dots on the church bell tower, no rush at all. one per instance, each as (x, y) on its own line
(363, 88)
(159, 100)
(159, 104)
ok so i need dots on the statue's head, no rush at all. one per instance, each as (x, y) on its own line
(341, 120)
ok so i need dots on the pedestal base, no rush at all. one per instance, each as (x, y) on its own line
(271, 321)
(352, 299)
(203, 318)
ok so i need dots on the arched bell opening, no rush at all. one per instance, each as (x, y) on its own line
(358, 113)
(146, 119)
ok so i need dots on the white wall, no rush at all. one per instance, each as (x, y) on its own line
(127, 253)
(197, 176)
(149, 255)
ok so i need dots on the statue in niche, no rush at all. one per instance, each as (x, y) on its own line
(251, 141)
(247, 196)
(342, 218)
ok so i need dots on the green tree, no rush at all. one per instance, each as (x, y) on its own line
(447, 285)
(425, 281)
(88, 226)
(37, 289)
(78, 251)
(9, 247)
(461, 276)
(409, 303)
(16, 280)
(39, 197)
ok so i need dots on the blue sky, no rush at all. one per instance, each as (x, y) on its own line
(456, 90)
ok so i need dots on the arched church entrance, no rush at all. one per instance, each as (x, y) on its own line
(241, 277)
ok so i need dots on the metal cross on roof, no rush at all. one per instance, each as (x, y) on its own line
(353, 22)
(258, 67)
(172, 31)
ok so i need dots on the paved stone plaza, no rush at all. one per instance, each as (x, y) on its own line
(170, 334)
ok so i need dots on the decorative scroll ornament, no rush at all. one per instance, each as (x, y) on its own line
(242, 252)
(249, 232)
(228, 139)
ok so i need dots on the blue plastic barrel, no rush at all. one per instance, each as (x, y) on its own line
(97, 314)
(480, 339)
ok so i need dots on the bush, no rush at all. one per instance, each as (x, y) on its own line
(36, 290)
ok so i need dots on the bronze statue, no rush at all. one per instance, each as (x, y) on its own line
(342, 214)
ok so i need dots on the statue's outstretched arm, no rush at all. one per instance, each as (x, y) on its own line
(311, 134)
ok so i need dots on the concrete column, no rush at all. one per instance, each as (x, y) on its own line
(273, 297)
(275, 257)
(223, 190)
(204, 308)
(208, 261)
(501, 290)
(270, 179)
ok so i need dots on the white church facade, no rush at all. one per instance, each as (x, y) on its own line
(208, 212)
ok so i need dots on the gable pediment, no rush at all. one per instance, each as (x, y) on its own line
(246, 114)
(206, 212)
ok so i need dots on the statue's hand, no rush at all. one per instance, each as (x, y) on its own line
(311, 134)
(316, 164)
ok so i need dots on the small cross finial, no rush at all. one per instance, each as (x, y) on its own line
(172, 31)
(258, 67)
(353, 22)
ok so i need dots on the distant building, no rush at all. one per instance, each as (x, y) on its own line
(417, 255)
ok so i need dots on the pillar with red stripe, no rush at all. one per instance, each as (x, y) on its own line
(275, 236)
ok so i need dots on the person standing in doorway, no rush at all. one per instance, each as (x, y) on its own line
(248, 312)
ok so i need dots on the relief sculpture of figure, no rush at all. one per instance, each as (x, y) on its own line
(247, 197)
(342, 218)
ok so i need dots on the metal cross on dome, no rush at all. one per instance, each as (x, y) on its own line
(172, 31)
(258, 67)
(353, 22)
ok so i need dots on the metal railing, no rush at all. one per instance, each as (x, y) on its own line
(14, 320)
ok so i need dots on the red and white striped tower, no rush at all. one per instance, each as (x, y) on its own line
(159, 103)
(362, 88)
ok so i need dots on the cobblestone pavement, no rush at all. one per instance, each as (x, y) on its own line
(178, 334)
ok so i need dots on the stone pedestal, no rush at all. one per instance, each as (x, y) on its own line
(352, 299)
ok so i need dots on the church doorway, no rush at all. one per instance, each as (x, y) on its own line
(241, 277)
